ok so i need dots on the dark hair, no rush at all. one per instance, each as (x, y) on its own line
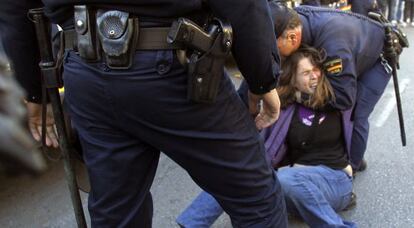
(286, 87)
(283, 17)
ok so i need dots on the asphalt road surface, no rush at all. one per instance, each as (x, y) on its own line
(385, 190)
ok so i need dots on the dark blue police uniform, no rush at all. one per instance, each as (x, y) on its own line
(363, 6)
(353, 44)
(311, 2)
(126, 117)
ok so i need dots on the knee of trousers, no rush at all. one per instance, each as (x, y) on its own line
(291, 185)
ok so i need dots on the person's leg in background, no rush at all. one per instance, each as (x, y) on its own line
(400, 11)
(316, 193)
(363, 6)
(392, 11)
(382, 7)
(371, 86)
(406, 13)
(412, 13)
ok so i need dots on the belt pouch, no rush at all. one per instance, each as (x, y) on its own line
(85, 33)
(117, 34)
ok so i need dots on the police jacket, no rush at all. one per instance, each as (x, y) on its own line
(275, 135)
(353, 44)
(254, 45)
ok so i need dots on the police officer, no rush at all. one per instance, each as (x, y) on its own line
(353, 45)
(125, 117)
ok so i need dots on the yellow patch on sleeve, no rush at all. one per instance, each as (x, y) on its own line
(333, 66)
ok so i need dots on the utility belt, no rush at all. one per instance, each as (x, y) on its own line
(113, 37)
(395, 39)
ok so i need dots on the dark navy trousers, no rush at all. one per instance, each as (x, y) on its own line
(126, 117)
(311, 2)
(371, 86)
(363, 6)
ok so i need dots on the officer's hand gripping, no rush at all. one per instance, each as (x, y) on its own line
(34, 112)
(265, 108)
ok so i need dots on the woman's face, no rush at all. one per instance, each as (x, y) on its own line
(307, 76)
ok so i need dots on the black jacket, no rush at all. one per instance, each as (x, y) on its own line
(254, 47)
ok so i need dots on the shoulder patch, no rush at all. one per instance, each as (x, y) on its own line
(333, 66)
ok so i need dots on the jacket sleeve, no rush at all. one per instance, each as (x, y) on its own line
(275, 136)
(254, 45)
(20, 44)
(341, 73)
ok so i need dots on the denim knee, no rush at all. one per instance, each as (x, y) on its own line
(290, 180)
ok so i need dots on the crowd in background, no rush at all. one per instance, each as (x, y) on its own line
(397, 11)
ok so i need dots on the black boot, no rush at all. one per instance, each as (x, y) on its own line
(362, 166)
(352, 202)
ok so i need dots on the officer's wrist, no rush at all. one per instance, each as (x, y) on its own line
(262, 89)
(33, 99)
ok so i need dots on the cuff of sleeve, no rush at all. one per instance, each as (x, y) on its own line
(264, 88)
(34, 99)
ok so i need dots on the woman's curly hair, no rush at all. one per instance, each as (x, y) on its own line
(286, 87)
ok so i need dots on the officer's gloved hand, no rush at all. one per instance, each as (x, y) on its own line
(393, 47)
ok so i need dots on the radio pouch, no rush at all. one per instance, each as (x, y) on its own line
(117, 33)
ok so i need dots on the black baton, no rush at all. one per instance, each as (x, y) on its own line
(51, 80)
(398, 98)
(391, 56)
(392, 61)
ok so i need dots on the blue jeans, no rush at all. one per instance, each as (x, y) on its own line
(314, 193)
(392, 10)
(400, 9)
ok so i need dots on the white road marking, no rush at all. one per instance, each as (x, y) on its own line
(385, 114)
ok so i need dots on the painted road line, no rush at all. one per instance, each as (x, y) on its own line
(385, 114)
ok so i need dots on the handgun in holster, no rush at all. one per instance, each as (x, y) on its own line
(210, 48)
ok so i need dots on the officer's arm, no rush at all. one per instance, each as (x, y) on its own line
(341, 73)
(254, 46)
(20, 44)
(19, 41)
